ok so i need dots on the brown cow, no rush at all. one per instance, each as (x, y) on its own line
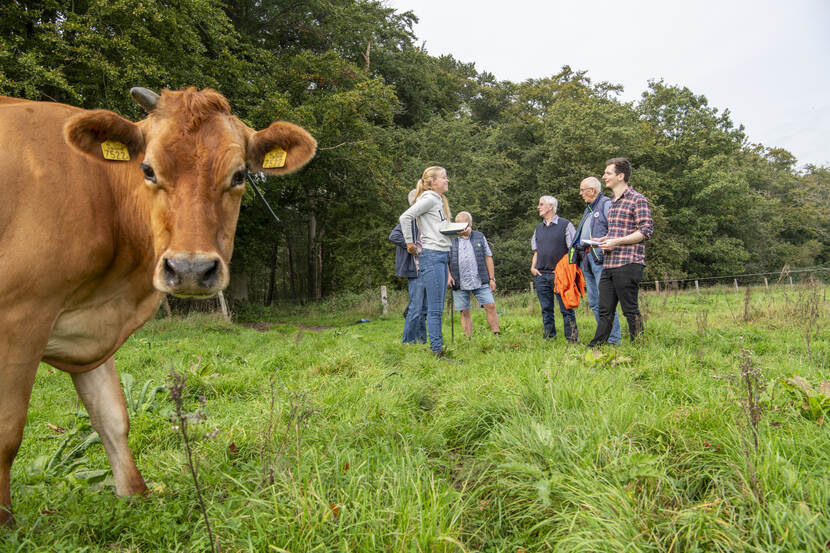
(88, 245)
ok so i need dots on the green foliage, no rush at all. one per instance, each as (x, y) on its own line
(639, 466)
(139, 401)
(91, 53)
(68, 460)
(382, 109)
(815, 405)
(608, 358)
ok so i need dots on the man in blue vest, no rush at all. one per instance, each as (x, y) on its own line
(592, 227)
(472, 272)
(550, 242)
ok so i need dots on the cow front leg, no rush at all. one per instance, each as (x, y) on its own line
(16, 383)
(101, 393)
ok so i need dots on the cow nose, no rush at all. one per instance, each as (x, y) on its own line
(191, 274)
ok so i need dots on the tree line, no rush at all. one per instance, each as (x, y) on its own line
(383, 109)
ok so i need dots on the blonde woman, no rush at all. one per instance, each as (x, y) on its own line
(433, 213)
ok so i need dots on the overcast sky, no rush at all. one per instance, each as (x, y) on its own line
(767, 61)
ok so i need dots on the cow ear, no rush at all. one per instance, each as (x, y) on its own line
(87, 131)
(281, 148)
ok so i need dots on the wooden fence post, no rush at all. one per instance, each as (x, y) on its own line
(166, 304)
(736, 284)
(766, 284)
(697, 287)
(657, 284)
(384, 299)
(223, 305)
(791, 280)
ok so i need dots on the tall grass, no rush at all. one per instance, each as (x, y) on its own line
(343, 439)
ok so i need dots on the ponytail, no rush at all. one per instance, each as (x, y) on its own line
(425, 183)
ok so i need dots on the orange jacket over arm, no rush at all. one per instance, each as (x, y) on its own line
(569, 282)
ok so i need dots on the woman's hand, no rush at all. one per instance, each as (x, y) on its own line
(410, 248)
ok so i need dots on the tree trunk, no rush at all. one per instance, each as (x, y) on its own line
(319, 273)
(238, 288)
(284, 286)
(291, 271)
(272, 280)
(312, 257)
(366, 55)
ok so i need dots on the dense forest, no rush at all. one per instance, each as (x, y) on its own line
(382, 109)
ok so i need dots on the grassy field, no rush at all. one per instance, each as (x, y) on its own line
(313, 433)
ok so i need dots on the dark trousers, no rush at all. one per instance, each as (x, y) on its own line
(544, 290)
(619, 285)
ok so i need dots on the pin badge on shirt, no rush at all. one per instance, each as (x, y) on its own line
(596, 214)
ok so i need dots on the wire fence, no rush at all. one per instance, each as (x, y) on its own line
(787, 276)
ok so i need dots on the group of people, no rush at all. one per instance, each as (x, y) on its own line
(434, 261)
(603, 255)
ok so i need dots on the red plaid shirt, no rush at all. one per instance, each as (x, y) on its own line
(628, 213)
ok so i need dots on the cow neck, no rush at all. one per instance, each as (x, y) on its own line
(120, 286)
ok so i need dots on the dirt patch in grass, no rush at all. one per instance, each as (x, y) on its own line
(264, 327)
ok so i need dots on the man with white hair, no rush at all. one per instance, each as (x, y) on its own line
(592, 227)
(472, 273)
(550, 242)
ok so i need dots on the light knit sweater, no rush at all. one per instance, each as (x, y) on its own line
(429, 209)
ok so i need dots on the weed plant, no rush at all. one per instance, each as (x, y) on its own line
(342, 439)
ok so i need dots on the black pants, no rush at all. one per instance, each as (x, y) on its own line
(619, 285)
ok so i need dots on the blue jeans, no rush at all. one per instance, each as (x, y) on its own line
(415, 324)
(592, 272)
(544, 289)
(433, 273)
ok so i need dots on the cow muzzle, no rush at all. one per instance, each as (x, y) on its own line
(186, 274)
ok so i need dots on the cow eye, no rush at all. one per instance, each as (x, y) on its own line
(238, 178)
(149, 174)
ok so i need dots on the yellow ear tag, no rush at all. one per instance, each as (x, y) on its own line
(274, 159)
(115, 150)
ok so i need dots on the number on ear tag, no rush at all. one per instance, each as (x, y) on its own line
(274, 159)
(115, 151)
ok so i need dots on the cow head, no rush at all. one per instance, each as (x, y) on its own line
(193, 156)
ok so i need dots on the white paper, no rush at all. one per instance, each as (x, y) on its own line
(452, 229)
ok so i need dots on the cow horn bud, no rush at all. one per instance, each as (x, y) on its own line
(145, 98)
